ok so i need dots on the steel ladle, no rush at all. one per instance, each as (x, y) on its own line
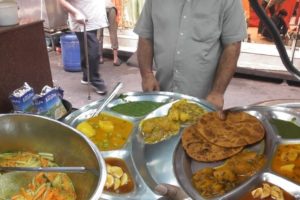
(46, 169)
(108, 99)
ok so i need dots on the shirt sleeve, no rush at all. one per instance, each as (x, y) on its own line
(234, 27)
(144, 25)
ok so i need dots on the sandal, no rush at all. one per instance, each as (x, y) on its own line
(118, 63)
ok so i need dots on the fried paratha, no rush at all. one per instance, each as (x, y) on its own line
(238, 129)
(201, 150)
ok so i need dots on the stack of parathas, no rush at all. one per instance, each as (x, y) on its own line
(212, 139)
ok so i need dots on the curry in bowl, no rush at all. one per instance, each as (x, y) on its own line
(106, 131)
(287, 161)
(267, 191)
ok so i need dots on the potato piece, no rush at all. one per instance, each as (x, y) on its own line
(117, 183)
(109, 181)
(173, 115)
(116, 171)
(276, 193)
(217, 188)
(292, 156)
(86, 129)
(174, 126)
(184, 117)
(223, 174)
(289, 156)
(257, 193)
(108, 168)
(287, 168)
(147, 126)
(124, 179)
(266, 191)
(106, 126)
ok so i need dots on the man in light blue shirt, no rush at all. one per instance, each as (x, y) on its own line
(195, 45)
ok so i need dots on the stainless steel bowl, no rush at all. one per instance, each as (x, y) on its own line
(24, 132)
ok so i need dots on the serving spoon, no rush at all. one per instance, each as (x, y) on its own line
(47, 169)
(108, 99)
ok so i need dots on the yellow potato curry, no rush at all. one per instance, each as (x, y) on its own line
(184, 111)
(106, 131)
(157, 129)
(213, 182)
(287, 161)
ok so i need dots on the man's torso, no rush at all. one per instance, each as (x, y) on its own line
(93, 10)
(188, 37)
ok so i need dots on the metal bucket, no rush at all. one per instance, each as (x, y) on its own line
(24, 132)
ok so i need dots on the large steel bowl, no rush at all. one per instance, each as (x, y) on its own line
(24, 132)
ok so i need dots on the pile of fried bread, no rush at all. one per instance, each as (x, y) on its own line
(212, 139)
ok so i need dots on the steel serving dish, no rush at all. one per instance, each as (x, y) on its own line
(149, 164)
(287, 103)
(24, 132)
(184, 166)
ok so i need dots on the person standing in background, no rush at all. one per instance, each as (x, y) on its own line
(90, 13)
(195, 45)
(111, 12)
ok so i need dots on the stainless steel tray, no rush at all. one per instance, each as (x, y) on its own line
(149, 164)
(184, 166)
(286, 103)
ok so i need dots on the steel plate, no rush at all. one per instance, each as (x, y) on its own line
(149, 164)
(184, 166)
(287, 103)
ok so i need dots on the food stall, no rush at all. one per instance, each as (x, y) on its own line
(19, 44)
(53, 16)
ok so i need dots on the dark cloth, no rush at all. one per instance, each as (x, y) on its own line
(271, 11)
(93, 54)
(280, 24)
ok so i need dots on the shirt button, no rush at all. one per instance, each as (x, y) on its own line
(181, 34)
(178, 52)
(184, 17)
(176, 71)
(188, 0)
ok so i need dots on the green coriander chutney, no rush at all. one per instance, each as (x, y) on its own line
(286, 129)
(136, 108)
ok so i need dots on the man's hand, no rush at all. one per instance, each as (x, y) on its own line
(217, 100)
(170, 192)
(149, 83)
(80, 18)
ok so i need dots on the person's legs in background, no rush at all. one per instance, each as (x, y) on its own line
(100, 36)
(113, 28)
(93, 55)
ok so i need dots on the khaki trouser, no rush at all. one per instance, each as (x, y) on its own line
(112, 29)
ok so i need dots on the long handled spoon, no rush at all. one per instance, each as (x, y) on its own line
(108, 99)
(46, 169)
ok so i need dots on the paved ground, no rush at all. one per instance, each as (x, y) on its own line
(241, 91)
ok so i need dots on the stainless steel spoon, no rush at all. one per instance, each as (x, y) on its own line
(45, 169)
(108, 99)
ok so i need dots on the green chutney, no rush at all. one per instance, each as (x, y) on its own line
(136, 108)
(286, 129)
